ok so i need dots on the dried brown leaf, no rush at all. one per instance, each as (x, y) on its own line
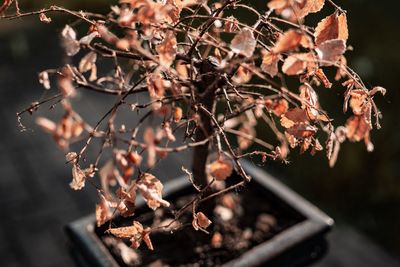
(244, 43)
(332, 27)
(270, 64)
(288, 41)
(221, 169)
(151, 189)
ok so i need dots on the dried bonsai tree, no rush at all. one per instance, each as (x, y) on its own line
(198, 70)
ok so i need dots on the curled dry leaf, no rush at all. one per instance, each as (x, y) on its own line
(243, 74)
(88, 63)
(135, 233)
(78, 178)
(126, 206)
(167, 49)
(294, 116)
(309, 101)
(44, 18)
(296, 64)
(359, 101)
(69, 42)
(302, 131)
(270, 64)
(244, 43)
(64, 83)
(332, 27)
(357, 129)
(151, 189)
(330, 51)
(277, 106)
(221, 169)
(68, 128)
(288, 41)
(155, 85)
(295, 10)
(103, 211)
(200, 221)
(231, 24)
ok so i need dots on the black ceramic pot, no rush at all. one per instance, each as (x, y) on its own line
(298, 245)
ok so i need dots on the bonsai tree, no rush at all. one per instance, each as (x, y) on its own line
(199, 77)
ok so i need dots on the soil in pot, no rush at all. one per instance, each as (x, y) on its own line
(240, 221)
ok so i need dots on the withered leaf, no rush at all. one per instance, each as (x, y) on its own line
(200, 221)
(294, 64)
(103, 212)
(301, 130)
(332, 27)
(295, 10)
(135, 233)
(244, 43)
(294, 116)
(44, 18)
(78, 178)
(221, 169)
(151, 189)
(167, 49)
(270, 64)
(331, 51)
(278, 107)
(69, 42)
(288, 41)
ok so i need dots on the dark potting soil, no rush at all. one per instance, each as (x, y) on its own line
(241, 220)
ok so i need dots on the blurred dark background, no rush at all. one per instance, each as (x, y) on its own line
(362, 191)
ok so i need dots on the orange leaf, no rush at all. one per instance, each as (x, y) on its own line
(332, 27)
(288, 41)
(244, 43)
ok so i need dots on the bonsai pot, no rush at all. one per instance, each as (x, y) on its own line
(299, 242)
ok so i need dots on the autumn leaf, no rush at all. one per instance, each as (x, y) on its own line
(357, 129)
(244, 43)
(151, 189)
(288, 41)
(167, 49)
(270, 64)
(295, 10)
(200, 221)
(277, 106)
(221, 169)
(331, 51)
(103, 212)
(332, 27)
(44, 18)
(294, 64)
(78, 178)
(135, 233)
(69, 42)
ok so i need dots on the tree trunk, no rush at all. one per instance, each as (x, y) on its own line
(200, 154)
